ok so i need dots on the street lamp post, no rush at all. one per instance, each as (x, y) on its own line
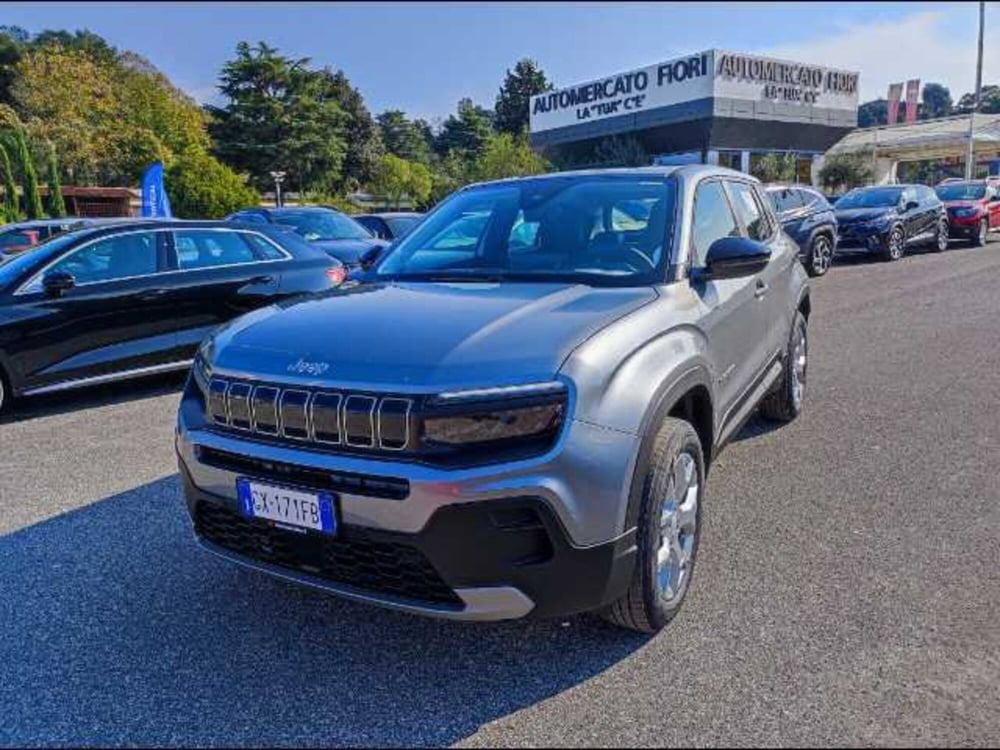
(970, 154)
(278, 179)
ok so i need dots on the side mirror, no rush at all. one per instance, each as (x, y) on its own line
(734, 257)
(57, 283)
(370, 257)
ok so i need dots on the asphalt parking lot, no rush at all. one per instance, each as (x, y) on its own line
(847, 592)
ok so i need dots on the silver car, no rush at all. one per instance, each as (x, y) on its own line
(513, 413)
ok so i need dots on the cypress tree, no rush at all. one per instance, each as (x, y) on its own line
(32, 200)
(10, 208)
(57, 208)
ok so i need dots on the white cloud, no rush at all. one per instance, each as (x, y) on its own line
(884, 52)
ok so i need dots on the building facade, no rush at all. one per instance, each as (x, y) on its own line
(715, 107)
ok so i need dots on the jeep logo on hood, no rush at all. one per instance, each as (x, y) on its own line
(302, 367)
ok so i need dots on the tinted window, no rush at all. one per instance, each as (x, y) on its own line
(713, 219)
(785, 199)
(400, 225)
(968, 191)
(322, 224)
(112, 258)
(208, 249)
(879, 197)
(751, 213)
(590, 229)
(263, 248)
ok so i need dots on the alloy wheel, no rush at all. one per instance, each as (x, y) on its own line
(896, 244)
(799, 352)
(678, 529)
(942, 236)
(822, 255)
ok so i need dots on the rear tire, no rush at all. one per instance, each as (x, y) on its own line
(941, 237)
(979, 238)
(785, 403)
(894, 244)
(667, 533)
(820, 255)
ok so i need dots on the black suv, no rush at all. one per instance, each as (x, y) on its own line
(809, 219)
(887, 219)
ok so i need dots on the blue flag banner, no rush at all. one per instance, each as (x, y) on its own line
(155, 203)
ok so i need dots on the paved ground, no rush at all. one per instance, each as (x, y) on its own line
(848, 589)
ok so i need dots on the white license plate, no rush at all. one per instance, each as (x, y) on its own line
(283, 505)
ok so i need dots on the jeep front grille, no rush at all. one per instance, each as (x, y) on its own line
(317, 416)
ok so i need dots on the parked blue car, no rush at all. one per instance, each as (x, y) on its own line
(808, 218)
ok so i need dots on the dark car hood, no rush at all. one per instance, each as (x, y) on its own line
(348, 252)
(856, 215)
(422, 335)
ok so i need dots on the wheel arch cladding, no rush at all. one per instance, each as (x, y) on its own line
(689, 397)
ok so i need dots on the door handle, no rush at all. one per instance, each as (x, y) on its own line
(760, 289)
(152, 294)
(261, 280)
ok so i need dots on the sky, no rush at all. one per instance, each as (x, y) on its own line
(423, 57)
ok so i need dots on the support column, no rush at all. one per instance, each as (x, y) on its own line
(745, 161)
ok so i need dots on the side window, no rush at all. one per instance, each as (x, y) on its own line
(262, 248)
(210, 248)
(927, 195)
(113, 258)
(713, 220)
(785, 199)
(751, 213)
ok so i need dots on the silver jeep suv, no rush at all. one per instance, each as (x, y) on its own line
(514, 411)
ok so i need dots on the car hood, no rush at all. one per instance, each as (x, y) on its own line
(348, 252)
(421, 336)
(856, 215)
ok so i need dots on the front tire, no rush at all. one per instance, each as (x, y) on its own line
(820, 255)
(979, 238)
(667, 533)
(894, 244)
(941, 238)
(785, 403)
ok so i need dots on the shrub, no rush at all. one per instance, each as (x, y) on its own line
(200, 187)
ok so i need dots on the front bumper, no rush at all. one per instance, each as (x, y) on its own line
(861, 239)
(543, 536)
(964, 226)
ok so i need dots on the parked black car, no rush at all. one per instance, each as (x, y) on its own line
(807, 218)
(888, 219)
(111, 302)
(389, 226)
(336, 233)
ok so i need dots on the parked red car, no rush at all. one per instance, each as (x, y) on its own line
(973, 208)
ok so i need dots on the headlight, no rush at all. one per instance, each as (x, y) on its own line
(878, 222)
(516, 415)
(201, 370)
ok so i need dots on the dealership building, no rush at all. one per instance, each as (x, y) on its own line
(713, 107)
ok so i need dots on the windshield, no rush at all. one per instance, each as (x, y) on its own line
(610, 229)
(400, 225)
(961, 191)
(871, 198)
(321, 224)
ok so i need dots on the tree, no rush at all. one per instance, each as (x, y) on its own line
(621, 151)
(525, 81)
(989, 100)
(29, 177)
(418, 183)
(11, 210)
(845, 171)
(364, 146)
(404, 138)
(465, 131)
(279, 115)
(199, 187)
(936, 101)
(392, 179)
(773, 167)
(57, 208)
(873, 113)
(507, 156)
